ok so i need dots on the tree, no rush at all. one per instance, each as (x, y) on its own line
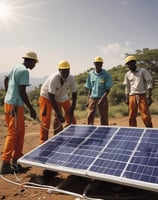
(148, 58)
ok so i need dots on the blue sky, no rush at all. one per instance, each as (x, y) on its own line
(76, 31)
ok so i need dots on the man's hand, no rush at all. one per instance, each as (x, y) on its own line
(102, 98)
(149, 101)
(33, 113)
(71, 111)
(127, 99)
(87, 104)
(61, 118)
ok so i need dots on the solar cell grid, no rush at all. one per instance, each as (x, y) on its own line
(118, 152)
(144, 164)
(127, 154)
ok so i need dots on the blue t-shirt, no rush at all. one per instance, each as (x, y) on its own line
(19, 75)
(98, 83)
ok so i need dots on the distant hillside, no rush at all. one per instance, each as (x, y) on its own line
(35, 82)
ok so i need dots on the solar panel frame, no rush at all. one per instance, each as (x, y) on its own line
(68, 153)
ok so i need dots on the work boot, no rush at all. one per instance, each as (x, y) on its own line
(6, 168)
(18, 168)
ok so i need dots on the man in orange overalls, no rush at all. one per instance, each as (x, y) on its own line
(138, 87)
(54, 96)
(16, 97)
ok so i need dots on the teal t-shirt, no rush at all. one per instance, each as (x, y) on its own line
(98, 83)
(19, 75)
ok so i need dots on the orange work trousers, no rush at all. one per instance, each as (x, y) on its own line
(135, 102)
(103, 108)
(14, 141)
(45, 111)
(57, 125)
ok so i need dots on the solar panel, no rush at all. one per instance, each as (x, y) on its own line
(124, 155)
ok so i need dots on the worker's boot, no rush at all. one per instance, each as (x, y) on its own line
(18, 168)
(6, 168)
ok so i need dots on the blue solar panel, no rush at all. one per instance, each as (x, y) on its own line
(118, 154)
(115, 156)
(144, 163)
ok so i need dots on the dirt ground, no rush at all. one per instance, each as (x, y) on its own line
(22, 186)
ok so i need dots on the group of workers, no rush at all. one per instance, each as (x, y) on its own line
(54, 98)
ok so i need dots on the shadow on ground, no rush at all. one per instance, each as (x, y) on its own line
(90, 189)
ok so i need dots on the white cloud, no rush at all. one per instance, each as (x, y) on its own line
(114, 53)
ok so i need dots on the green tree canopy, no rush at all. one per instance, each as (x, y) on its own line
(147, 58)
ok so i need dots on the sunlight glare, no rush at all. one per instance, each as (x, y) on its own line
(4, 11)
(10, 11)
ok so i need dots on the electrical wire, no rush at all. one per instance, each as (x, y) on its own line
(40, 123)
(51, 189)
(31, 185)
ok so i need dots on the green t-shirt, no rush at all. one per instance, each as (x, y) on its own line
(98, 83)
(19, 75)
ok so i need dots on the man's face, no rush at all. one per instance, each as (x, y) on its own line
(98, 66)
(132, 65)
(64, 73)
(30, 63)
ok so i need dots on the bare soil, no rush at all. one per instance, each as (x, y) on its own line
(14, 187)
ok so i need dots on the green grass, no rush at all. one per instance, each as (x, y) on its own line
(121, 110)
(81, 114)
(154, 108)
(118, 111)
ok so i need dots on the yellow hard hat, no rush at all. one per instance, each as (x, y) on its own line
(31, 55)
(98, 59)
(63, 65)
(129, 58)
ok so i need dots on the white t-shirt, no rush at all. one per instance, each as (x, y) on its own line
(53, 86)
(137, 82)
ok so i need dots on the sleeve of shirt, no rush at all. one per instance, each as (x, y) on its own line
(109, 81)
(24, 78)
(52, 86)
(127, 85)
(148, 78)
(88, 82)
(73, 84)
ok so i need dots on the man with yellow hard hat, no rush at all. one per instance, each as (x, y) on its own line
(98, 82)
(54, 95)
(138, 88)
(15, 85)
